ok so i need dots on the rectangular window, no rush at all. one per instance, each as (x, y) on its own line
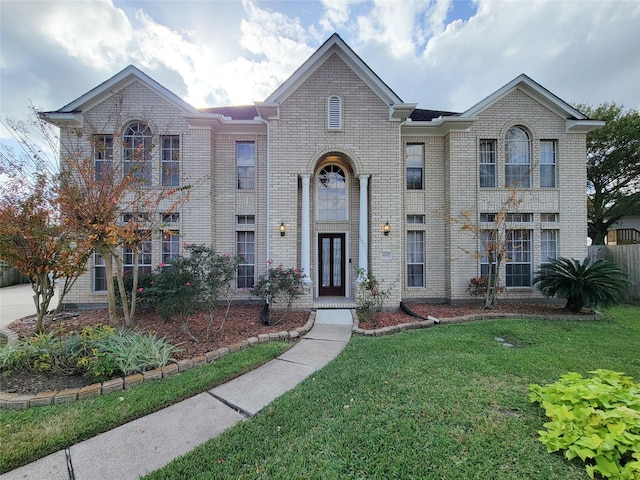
(519, 217)
(170, 246)
(99, 273)
(415, 259)
(518, 264)
(487, 163)
(487, 251)
(144, 262)
(415, 219)
(246, 164)
(549, 217)
(415, 166)
(102, 156)
(170, 218)
(487, 217)
(246, 248)
(245, 220)
(170, 160)
(548, 171)
(548, 245)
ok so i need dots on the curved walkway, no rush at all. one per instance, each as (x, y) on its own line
(150, 442)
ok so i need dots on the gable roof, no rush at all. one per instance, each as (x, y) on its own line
(336, 45)
(575, 121)
(72, 112)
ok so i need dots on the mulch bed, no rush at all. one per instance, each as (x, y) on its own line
(243, 323)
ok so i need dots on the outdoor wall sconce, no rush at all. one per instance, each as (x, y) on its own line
(283, 229)
(386, 228)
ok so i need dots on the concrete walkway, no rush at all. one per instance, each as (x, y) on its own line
(17, 302)
(149, 443)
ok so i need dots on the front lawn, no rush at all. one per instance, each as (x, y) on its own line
(27, 435)
(448, 402)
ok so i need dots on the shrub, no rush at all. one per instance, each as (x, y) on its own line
(280, 286)
(584, 284)
(596, 419)
(370, 296)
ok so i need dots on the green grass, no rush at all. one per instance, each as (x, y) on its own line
(448, 402)
(27, 435)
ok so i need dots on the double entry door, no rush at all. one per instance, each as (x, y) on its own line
(331, 264)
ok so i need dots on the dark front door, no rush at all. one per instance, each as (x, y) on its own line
(331, 264)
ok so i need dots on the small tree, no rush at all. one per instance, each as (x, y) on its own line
(587, 283)
(33, 241)
(370, 296)
(493, 245)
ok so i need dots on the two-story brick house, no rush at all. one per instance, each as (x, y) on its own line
(333, 171)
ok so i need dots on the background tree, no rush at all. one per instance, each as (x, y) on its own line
(613, 167)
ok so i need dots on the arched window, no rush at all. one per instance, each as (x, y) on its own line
(332, 194)
(517, 168)
(136, 151)
(334, 113)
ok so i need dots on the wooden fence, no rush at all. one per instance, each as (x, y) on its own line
(628, 258)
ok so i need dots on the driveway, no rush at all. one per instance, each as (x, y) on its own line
(17, 302)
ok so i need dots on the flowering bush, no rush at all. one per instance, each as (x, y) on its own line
(280, 286)
(370, 297)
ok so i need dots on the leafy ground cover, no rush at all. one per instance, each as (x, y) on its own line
(447, 402)
(31, 434)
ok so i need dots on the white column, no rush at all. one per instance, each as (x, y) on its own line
(363, 241)
(305, 232)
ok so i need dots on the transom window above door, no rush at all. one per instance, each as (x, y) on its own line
(331, 194)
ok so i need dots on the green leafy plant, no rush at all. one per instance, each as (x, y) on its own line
(596, 419)
(370, 296)
(584, 284)
(280, 286)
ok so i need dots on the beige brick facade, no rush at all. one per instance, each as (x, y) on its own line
(294, 140)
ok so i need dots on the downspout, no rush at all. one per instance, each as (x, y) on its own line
(268, 202)
(401, 188)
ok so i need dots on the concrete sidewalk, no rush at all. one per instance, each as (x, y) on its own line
(17, 302)
(149, 443)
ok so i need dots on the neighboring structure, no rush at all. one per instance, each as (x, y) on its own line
(625, 231)
(334, 171)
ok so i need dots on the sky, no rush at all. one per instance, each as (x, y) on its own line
(441, 54)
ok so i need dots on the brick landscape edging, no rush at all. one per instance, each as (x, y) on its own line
(464, 318)
(17, 401)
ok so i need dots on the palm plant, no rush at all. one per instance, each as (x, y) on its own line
(587, 283)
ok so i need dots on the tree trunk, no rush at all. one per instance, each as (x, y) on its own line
(114, 321)
(574, 303)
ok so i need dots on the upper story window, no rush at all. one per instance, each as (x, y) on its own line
(332, 194)
(334, 113)
(246, 165)
(517, 167)
(487, 163)
(548, 170)
(415, 166)
(102, 156)
(136, 151)
(170, 160)
(415, 219)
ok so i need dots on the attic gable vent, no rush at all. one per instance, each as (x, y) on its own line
(335, 113)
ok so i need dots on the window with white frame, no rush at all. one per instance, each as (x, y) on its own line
(518, 261)
(548, 245)
(415, 219)
(549, 217)
(170, 246)
(246, 248)
(488, 254)
(517, 158)
(170, 160)
(519, 217)
(331, 195)
(99, 273)
(334, 113)
(548, 164)
(487, 163)
(136, 151)
(415, 166)
(102, 156)
(246, 165)
(144, 259)
(415, 259)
